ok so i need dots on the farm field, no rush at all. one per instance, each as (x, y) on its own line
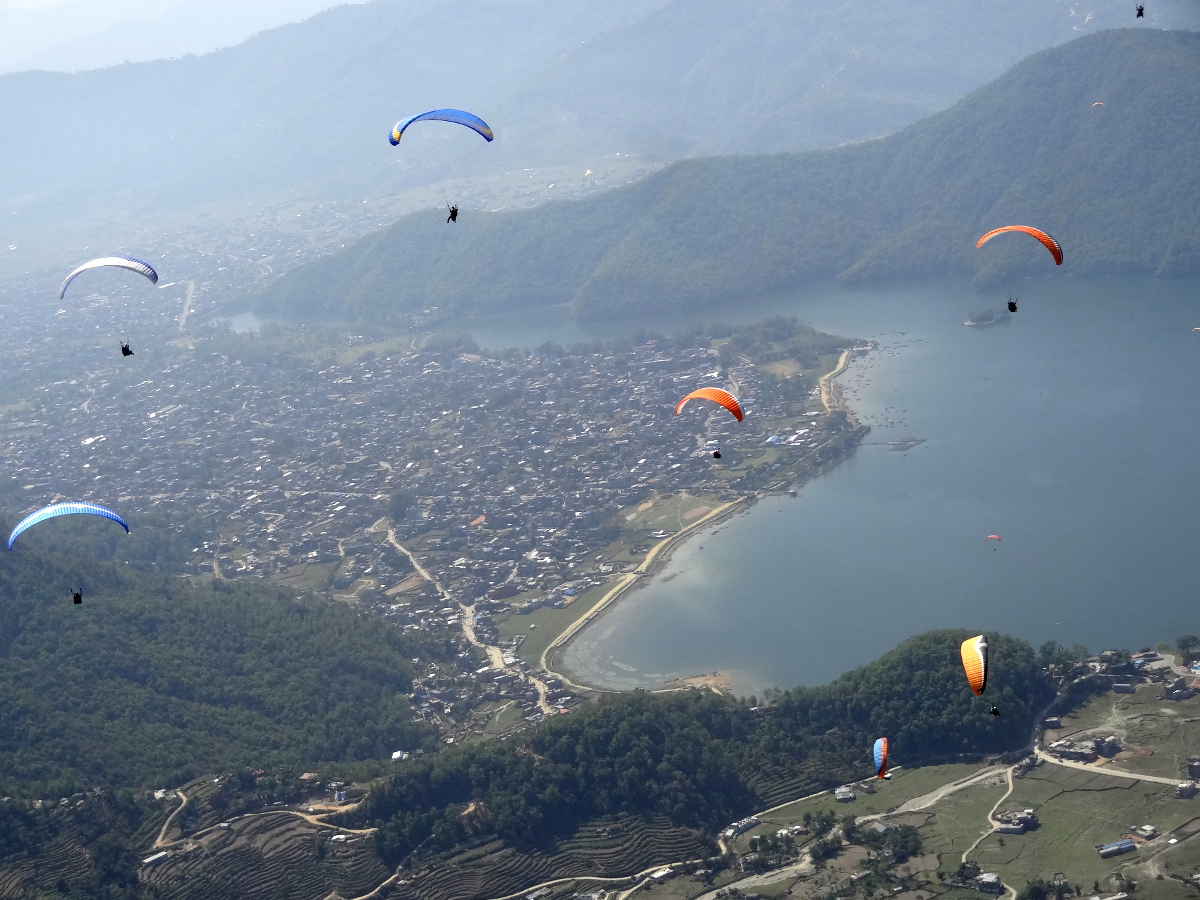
(956, 821)
(904, 785)
(1077, 811)
(495, 868)
(259, 853)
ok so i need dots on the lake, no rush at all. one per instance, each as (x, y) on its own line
(1071, 432)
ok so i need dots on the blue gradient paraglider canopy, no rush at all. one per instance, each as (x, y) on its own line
(457, 116)
(71, 508)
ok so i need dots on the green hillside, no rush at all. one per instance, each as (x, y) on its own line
(703, 77)
(153, 680)
(301, 112)
(702, 760)
(1116, 184)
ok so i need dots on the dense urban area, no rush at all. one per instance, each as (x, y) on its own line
(445, 486)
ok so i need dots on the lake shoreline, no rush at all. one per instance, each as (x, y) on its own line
(660, 555)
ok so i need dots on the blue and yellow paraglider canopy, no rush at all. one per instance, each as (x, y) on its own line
(71, 508)
(457, 116)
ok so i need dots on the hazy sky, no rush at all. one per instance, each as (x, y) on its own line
(68, 35)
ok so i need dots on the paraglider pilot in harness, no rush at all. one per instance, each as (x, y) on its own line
(994, 711)
(453, 217)
(1141, 12)
(1012, 305)
(77, 596)
(125, 351)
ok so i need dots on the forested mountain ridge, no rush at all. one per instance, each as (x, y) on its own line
(1116, 184)
(301, 111)
(689, 762)
(703, 760)
(153, 680)
(702, 77)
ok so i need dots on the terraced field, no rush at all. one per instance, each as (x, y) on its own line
(494, 869)
(267, 856)
(62, 861)
(65, 856)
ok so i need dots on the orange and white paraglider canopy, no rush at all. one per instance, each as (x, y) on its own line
(974, 653)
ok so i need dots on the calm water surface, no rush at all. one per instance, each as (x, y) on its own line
(1071, 432)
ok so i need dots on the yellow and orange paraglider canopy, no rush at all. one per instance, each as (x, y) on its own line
(716, 395)
(975, 662)
(1050, 243)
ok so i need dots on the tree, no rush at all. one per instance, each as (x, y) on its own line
(398, 504)
(1187, 645)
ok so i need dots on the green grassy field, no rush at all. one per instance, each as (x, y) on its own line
(669, 513)
(1181, 860)
(904, 785)
(956, 821)
(1078, 811)
(550, 623)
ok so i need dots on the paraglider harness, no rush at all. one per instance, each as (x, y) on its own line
(125, 351)
(1141, 12)
(1012, 305)
(77, 596)
(453, 217)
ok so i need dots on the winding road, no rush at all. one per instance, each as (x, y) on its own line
(494, 654)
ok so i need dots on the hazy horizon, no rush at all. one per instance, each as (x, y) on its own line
(77, 35)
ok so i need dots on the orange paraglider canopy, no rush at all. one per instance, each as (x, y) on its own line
(974, 653)
(1050, 243)
(716, 395)
(992, 537)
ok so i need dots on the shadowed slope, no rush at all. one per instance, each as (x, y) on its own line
(1117, 185)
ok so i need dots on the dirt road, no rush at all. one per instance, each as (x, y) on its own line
(494, 654)
(1100, 770)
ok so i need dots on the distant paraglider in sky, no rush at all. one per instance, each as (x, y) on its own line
(125, 351)
(77, 597)
(70, 508)
(453, 210)
(120, 262)
(992, 537)
(457, 116)
(1097, 103)
(880, 753)
(1012, 305)
(1141, 11)
(716, 395)
(1047, 241)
